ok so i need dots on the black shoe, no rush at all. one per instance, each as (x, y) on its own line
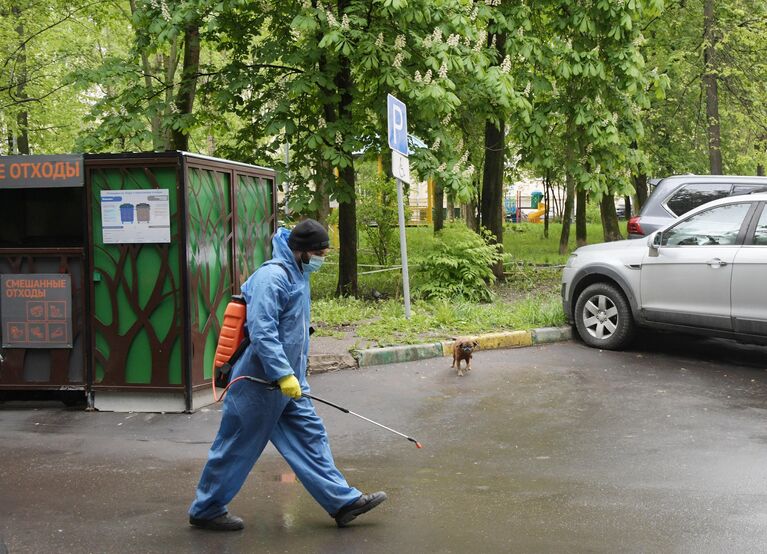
(224, 522)
(363, 504)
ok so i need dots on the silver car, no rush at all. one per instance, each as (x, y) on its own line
(674, 196)
(706, 273)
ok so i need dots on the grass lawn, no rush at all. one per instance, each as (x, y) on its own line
(528, 298)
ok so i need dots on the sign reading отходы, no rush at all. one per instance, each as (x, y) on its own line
(19, 172)
(36, 310)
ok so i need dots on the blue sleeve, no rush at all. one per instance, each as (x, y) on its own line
(268, 298)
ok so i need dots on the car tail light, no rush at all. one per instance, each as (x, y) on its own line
(633, 226)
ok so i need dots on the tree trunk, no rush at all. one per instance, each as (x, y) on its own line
(627, 206)
(439, 214)
(567, 213)
(710, 76)
(169, 64)
(146, 66)
(450, 208)
(347, 236)
(580, 218)
(347, 211)
(546, 200)
(610, 226)
(491, 201)
(470, 216)
(640, 186)
(492, 186)
(22, 117)
(322, 182)
(188, 86)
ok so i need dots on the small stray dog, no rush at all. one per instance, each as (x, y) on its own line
(462, 350)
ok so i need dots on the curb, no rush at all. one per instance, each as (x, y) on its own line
(322, 363)
(489, 341)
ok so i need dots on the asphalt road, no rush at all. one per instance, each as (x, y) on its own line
(559, 448)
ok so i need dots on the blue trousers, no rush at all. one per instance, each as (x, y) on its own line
(252, 416)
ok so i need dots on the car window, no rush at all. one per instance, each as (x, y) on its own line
(760, 235)
(714, 227)
(692, 196)
(738, 190)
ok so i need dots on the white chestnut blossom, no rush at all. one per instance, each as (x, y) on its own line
(481, 41)
(506, 64)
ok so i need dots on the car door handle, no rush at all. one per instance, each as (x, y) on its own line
(716, 262)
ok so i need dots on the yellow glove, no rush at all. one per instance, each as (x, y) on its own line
(290, 386)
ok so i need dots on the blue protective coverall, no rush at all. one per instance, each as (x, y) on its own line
(278, 324)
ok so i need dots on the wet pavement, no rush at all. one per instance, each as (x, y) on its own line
(544, 449)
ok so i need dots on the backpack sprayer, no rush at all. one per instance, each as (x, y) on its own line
(232, 342)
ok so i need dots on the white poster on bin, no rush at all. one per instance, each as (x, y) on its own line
(135, 216)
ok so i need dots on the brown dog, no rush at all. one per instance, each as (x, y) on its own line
(462, 350)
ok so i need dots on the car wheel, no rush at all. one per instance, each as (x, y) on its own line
(603, 317)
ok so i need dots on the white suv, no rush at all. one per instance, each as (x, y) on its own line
(705, 273)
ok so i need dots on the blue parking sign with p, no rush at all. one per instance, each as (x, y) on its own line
(397, 121)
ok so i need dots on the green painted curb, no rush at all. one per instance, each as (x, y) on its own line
(413, 352)
(552, 334)
(396, 354)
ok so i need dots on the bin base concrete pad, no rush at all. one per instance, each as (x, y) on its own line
(120, 401)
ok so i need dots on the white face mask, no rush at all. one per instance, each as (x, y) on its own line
(314, 263)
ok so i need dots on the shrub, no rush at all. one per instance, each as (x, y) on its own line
(378, 218)
(459, 265)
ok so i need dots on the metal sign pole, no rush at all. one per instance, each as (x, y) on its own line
(403, 248)
(396, 116)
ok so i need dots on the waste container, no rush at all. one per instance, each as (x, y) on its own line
(142, 212)
(128, 314)
(126, 213)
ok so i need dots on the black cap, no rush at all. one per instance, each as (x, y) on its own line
(308, 236)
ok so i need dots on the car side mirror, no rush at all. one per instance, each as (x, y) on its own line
(654, 242)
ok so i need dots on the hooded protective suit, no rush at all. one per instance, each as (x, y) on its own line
(277, 297)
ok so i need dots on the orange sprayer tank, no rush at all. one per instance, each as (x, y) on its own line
(232, 331)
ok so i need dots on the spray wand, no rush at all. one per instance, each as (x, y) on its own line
(336, 406)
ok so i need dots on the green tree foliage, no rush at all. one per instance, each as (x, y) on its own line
(41, 43)
(588, 88)
(144, 93)
(315, 76)
(589, 94)
(675, 141)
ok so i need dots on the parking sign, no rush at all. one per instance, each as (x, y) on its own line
(397, 122)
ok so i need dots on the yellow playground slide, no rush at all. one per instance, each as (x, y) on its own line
(535, 217)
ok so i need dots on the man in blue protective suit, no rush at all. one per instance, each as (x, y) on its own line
(277, 297)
